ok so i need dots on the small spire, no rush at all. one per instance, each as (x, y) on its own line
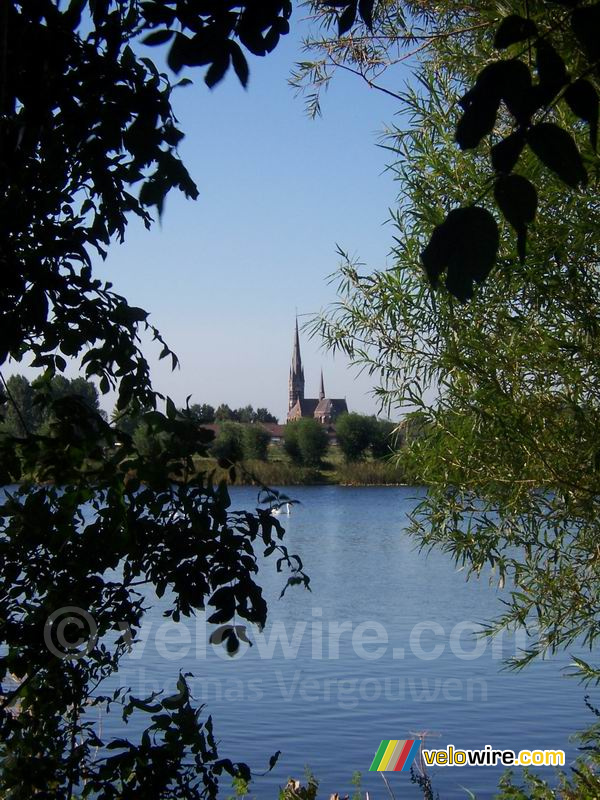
(322, 387)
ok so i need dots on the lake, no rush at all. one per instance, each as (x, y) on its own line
(382, 648)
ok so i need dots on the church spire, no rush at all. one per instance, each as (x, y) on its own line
(296, 381)
(296, 358)
(322, 387)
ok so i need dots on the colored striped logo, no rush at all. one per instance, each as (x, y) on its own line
(395, 755)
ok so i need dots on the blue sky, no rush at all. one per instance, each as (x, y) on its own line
(222, 276)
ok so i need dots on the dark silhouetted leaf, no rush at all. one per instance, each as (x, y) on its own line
(240, 65)
(346, 19)
(512, 29)
(517, 199)
(466, 245)
(551, 70)
(217, 70)
(158, 37)
(365, 9)
(505, 154)
(514, 82)
(582, 98)
(477, 121)
(557, 150)
(508, 80)
(178, 52)
(585, 23)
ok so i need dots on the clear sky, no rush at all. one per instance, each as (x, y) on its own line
(222, 276)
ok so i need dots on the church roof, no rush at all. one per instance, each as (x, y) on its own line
(307, 406)
(329, 406)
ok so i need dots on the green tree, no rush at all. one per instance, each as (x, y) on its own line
(202, 413)
(264, 415)
(21, 415)
(255, 441)
(245, 414)
(305, 441)
(290, 442)
(384, 438)
(224, 413)
(228, 445)
(354, 433)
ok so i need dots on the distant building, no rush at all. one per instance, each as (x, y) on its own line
(325, 409)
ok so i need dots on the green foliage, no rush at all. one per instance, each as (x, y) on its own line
(305, 441)
(34, 408)
(522, 103)
(291, 442)
(246, 414)
(21, 416)
(356, 781)
(384, 438)
(255, 442)
(354, 433)
(201, 413)
(506, 386)
(89, 139)
(223, 413)
(228, 445)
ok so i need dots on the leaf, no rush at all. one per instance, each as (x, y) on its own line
(232, 643)
(466, 244)
(170, 408)
(346, 18)
(505, 154)
(508, 80)
(178, 52)
(551, 70)
(582, 98)
(158, 37)
(240, 65)
(216, 71)
(477, 121)
(585, 23)
(517, 199)
(512, 29)
(365, 9)
(174, 701)
(557, 150)
(514, 82)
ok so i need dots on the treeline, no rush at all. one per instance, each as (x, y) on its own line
(205, 413)
(239, 437)
(358, 436)
(31, 407)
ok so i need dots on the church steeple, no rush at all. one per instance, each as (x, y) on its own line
(322, 388)
(296, 381)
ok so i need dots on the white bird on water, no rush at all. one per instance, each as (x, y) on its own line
(284, 508)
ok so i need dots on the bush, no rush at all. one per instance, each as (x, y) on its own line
(255, 442)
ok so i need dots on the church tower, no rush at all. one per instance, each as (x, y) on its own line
(296, 381)
(322, 388)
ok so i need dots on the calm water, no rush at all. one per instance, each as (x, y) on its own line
(327, 700)
(315, 687)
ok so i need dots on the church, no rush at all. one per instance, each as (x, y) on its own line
(325, 409)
